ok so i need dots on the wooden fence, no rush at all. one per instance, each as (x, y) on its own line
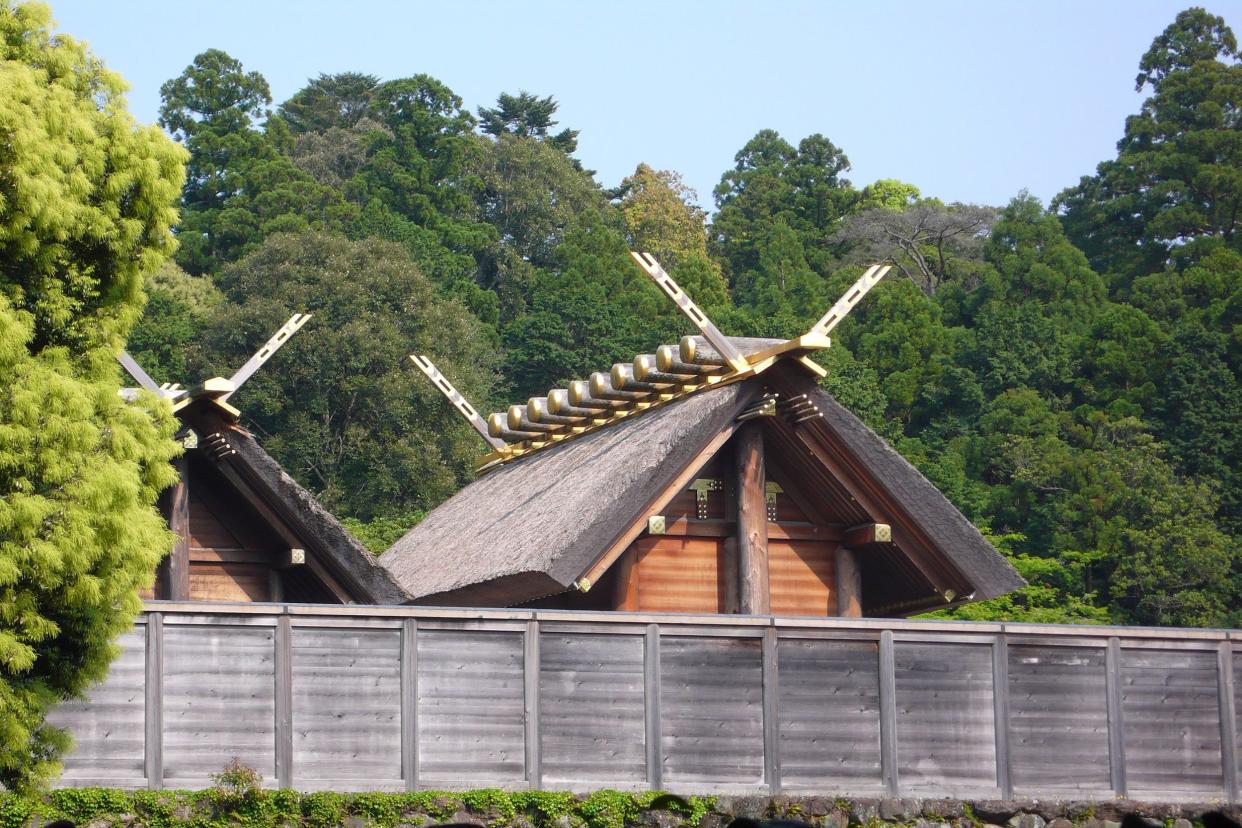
(394, 698)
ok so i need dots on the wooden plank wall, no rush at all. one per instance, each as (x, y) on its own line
(383, 698)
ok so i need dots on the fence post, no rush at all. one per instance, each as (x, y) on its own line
(530, 669)
(771, 712)
(1228, 720)
(409, 703)
(888, 713)
(154, 702)
(283, 667)
(1000, 699)
(651, 707)
(1116, 721)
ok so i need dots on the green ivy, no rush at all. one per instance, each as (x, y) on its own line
(241, 803)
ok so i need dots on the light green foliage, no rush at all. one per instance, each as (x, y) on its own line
(85, 210)
(382, 532)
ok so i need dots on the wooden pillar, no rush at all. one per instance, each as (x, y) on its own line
(752, 522)
(174, 571)
(849, 583)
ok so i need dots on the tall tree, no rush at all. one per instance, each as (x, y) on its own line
(329, 101)
(528, 116)
(1175, 188)
(85, 209)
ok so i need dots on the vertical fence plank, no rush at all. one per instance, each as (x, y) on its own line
(1228, 719)
(283, 669)
(409, 703)
(888, 713)
(154, 735)
(651, 696)
(1000, 699)
(771, 713)
(1116, 726)
(530, 672)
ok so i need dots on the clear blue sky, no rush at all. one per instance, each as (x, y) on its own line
(970, 101)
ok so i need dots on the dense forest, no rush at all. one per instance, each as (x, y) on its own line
(1068, 375)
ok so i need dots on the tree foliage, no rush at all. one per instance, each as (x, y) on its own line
(1068, 377)
(85, 212)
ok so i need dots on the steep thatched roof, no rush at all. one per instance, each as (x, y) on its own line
(534, 526)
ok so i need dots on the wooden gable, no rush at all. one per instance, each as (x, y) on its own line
(686, 560)
(245, 531)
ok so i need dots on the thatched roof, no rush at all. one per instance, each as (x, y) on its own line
(533, 527)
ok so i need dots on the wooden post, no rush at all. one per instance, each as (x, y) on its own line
(1228, 719)
(752, 522)
(282, 665)
(530, 673)
(651, 712)
(1116, 721)
(153, 736)
(849, 583)
(409, 703)
(771, 713)
(174, 572)
(1000, 706)
(888, 713)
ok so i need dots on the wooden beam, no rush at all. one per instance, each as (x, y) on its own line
(685, 527)
(752, 522)
(866, 533)
(849, 583)
(176, 571)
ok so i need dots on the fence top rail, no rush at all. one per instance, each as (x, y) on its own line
(788, 625)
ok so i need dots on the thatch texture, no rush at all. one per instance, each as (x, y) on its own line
(340, 551)
(541, 521)
(953, 535)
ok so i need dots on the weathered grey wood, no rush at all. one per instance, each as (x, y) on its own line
(1228, 718)
(1058, 718)
(530, 676)
(1116, 723)
(283, 703)
(752, 521)
(711, 706)
(945, 719)
(108, 724)
(1171, 704)
(154, 737)
(849, 583)
(347, 708)
(219, 701)
(651, 707)
(591, 709)
(830, 715)
(1000, 696)
(471, 707)
(1237, 713)
(409, 703)
(771, 712)
(888, 713)
(438, 698)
